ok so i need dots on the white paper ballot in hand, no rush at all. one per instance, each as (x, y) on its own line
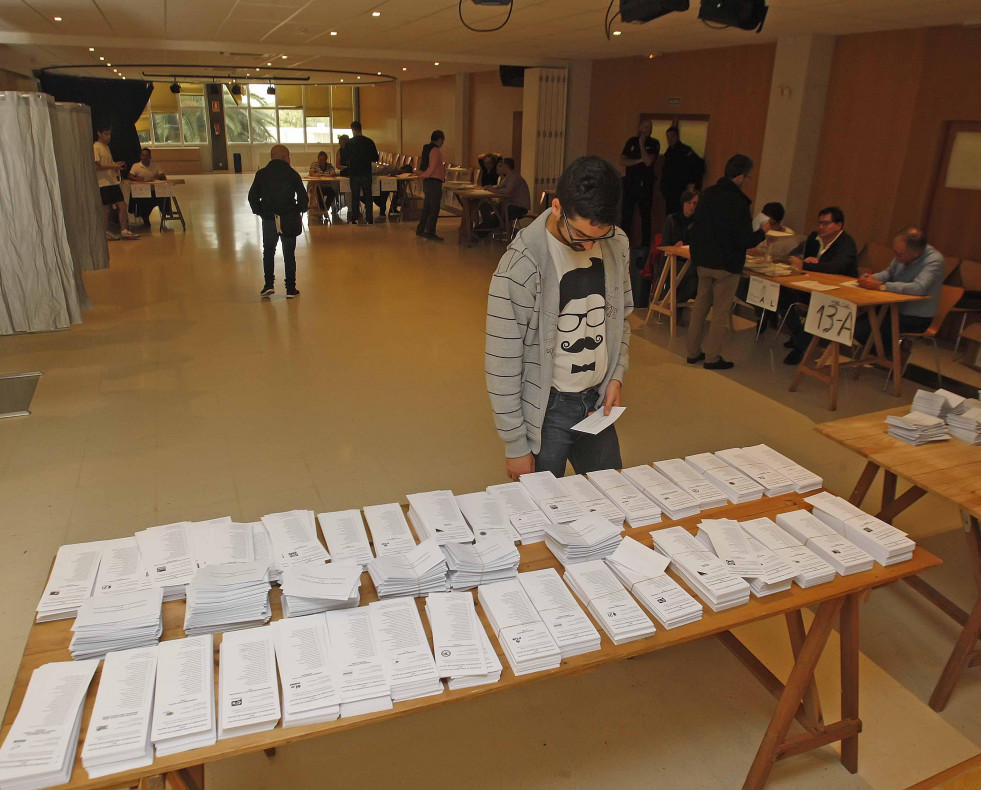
(184, 698)
(597, 421)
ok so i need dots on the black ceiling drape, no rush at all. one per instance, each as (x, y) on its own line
(117, 102)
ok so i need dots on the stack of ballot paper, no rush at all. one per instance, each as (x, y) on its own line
(672, 501)
(642, 572)
(314, 587)
(551, 498)
(345, 537)
(263, 550)
(357, 662)
(809, 568)
(220, 541)
(638, 509)
(408, 661)
(777, 574)
(436, 515)
(390, 533)
(705, 573)
(917, 428)
(308, 691)
(72, 580)
(883, 542)
(966, 425)
(462, 649)
(248, 690)
(939, 403)
(488, 560)
(121, 568)
(420, 571)
(226, 597)
(525, 516)
(804, 480)
(774, 483)
(294, 537)
(486, 517)
(689, 480)
(609, 603)
(734, 484)
(592, 499)
(726, 539)
(569, 625)
(117, 622)
(841, 554)
(520, 630)
(167, 555)
(39, 750)
(591, 537)
(118, 737)
(184, 696)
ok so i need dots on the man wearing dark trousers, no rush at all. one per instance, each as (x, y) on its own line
(681, 169)
(279, 197)
(433, 173)
(639, 157)
(361, 153)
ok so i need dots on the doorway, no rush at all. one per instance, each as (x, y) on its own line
(955, 203)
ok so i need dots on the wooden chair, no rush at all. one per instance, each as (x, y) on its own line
(951, 265)
(949, 296)
(968, 276)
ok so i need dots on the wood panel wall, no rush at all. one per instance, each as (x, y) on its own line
(492, 108)
(377, 107)
(427, 105)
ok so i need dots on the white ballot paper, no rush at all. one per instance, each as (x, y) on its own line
(726, 539)
(803, 479)
(597, 422)
(610, 604)
(118, 737)
(308, 691)
(489, 560)
(704, 572)
(71, 581)
(568, 624)
(220, 541)
(294, 537)
(390, 533)
(345, 536)
(519, 628)
(639, 509)
(39, 750)
(248, 692)
(592, 499)
(168, 558)
(264, 551)
(313, 587)
(545, 490)
(666, 495)
(774, 483)
(117, 622)
(525, 516)
(456, 634)
(419, 571)
(408, 660)
(706, 493)
(886, 544)
(486, 517)
(121, 568)
(184, 697)
(436, 515)
(733, 483)
(357, 662)
(842, 555)
(810, 568)
(588, 538)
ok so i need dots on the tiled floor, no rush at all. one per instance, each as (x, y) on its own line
(183, 396)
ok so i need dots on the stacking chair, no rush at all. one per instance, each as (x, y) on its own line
(523, 222)
(968, 275)
(949, 296)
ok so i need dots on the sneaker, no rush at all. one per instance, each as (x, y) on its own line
(433, 237)
(695, 359)
(794, 357)
(112, 236)
(292, 293)
(267, 290)
(719, 364)
(129, 235)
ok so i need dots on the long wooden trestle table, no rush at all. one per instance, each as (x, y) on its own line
(836, 602)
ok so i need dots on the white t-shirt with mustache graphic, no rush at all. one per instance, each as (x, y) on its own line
(579, 360)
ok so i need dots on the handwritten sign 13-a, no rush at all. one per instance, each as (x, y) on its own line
(831, 318)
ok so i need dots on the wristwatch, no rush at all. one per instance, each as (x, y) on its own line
(882, 287)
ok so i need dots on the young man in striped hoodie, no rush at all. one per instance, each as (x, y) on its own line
(557, 333)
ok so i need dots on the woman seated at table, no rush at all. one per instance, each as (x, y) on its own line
(487, 175)
(677, 228)
(327, 193)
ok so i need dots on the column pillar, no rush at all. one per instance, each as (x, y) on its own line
(461, 119)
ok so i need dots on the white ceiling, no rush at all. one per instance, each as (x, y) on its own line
(408, 34)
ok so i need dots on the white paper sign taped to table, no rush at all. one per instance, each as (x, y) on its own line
(763, 293)
(831, 318)
(164, 190)
(141, 191)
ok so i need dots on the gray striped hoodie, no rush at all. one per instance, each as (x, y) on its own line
(522, 317)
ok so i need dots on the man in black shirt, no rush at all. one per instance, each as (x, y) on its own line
(639, 157)
(361, 153)
(681, 169)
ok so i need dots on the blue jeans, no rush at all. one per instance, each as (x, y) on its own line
(270, 239)
(586, 452)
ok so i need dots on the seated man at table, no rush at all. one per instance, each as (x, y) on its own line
(513, 188)
(147, 170)
(830, 250)
(328, 195)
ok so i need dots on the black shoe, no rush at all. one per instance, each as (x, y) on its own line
(267, 291)
(719, 364)
(790, 344)
(696, 359)
(292, 293)
(433, 237)
(421, 233)
(794, 357)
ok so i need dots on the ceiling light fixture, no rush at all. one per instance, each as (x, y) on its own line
(57, 19)
(435, 62)
(283, 57)
(109, 64)
(617, 33)
(376, 13)
(333, 32)
(91, 49)
(379, 73)
(101, 58)
(269, 64)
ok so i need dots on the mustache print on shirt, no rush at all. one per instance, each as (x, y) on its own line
(582, 344)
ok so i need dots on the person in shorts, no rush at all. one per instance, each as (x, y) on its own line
(107, 174)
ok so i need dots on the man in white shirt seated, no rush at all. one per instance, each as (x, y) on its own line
(147, 170)
(327, 193)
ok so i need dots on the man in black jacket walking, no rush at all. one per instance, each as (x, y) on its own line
(361, 154)
(279, 197)
(721, 232)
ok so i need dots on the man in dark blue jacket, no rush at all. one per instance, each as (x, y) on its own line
(721, 232)
(279, 197)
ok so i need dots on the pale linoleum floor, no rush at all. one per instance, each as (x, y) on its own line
(183, 396)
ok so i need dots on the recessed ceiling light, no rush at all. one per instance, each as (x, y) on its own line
(57, 19)
(435, 62)
(379, 73)
(617, 33)
(269, 64)
(124, 77)
(91, 49)
(101, 58)
(108, 64)
(359, 76)
(376, 13)
(333, 32)
(342, 79)
(283, 57)
(404, 68)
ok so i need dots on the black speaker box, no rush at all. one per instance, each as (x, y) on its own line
(513, 76)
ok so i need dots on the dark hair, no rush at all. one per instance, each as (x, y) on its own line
(355, 126)
(509, 162)
(437, 135)
(837, 215)
(914, 238)
(344, 137)
(590, 188)
(321, 153)
(738, 165)
(103, 127)
(147, 150)
(673, 129)
(687, 195)
(774, 211)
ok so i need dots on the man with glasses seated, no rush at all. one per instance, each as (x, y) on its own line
(557, 333)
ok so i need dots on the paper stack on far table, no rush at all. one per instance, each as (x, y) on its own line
(886, 544)
(689, 480)
(184, 697)
(569, 625)
(642, 572)
(809, 568)
(804, 479)
(308, 691)
(639, 510)
(262, 547)
(939, 403)
(591, 537)
(294, 537)
(357, 662)
(463, 651)
(672, 501)
(436, 515)
(525, 516)
(592, 499)
(314, 588)
(966, 425)
(71, 581)
(609, 603)
(390, 533)
(702, 570)
(169, 560)
(417, 572)
(841, 554)
(409, 663)
(39, 750)
(121, 568)
(227, 597)
(117, 622)
(248, 691)
(551, 497)
(488, 560)
(734, 484)
(917, 428)
(345, 537)
(520, 630)
(118, 737)
(774, 483)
